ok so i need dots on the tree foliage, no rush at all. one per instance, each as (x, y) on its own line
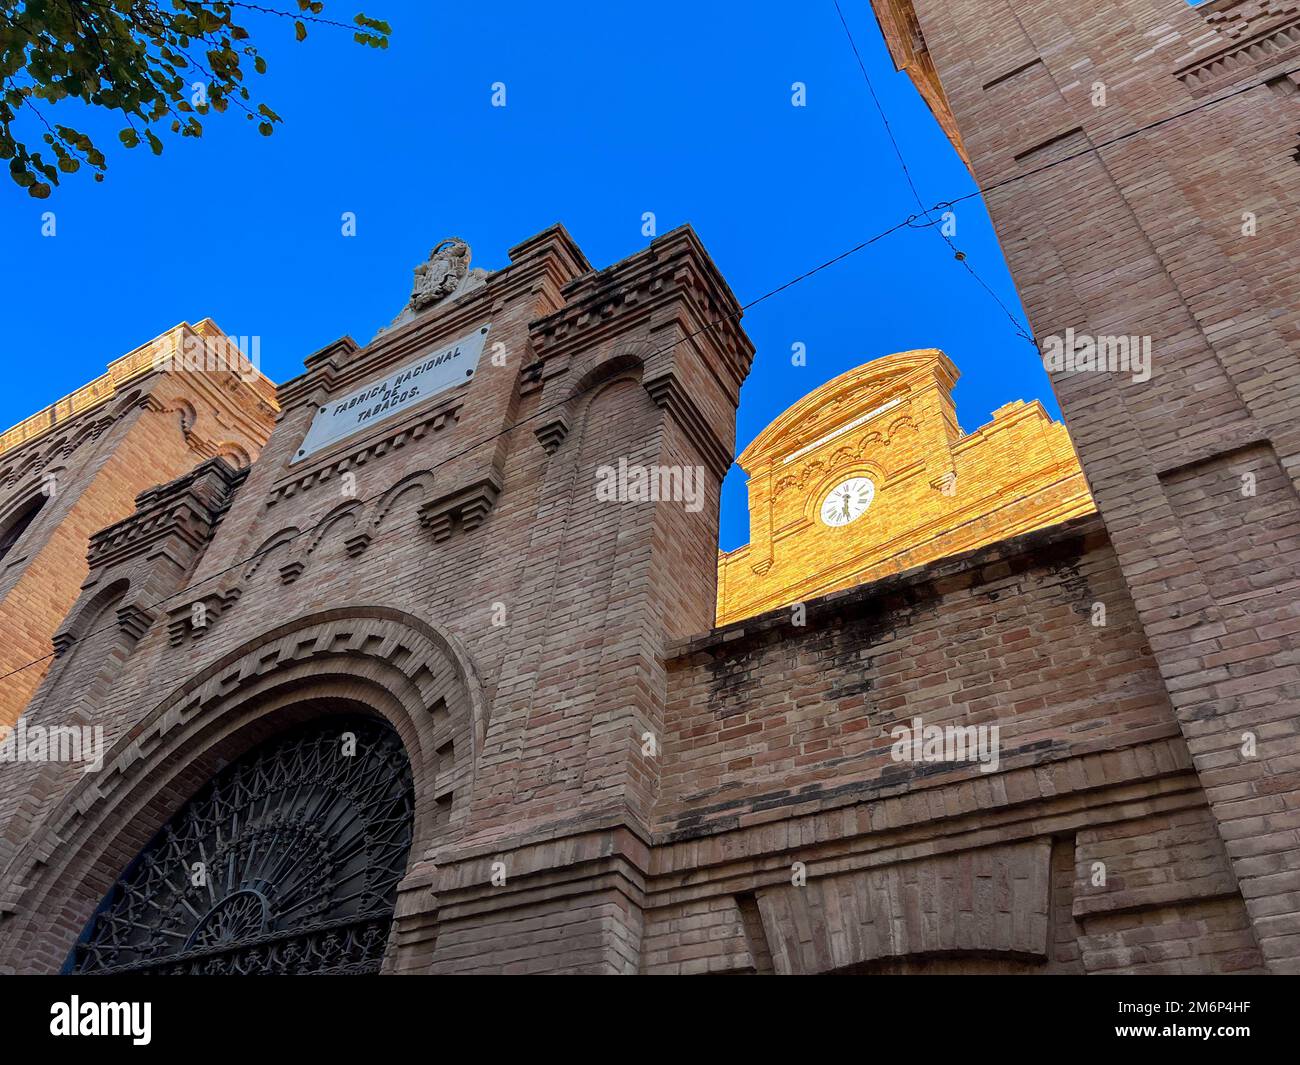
(163, 64)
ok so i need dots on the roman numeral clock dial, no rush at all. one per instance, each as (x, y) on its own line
(847, 501)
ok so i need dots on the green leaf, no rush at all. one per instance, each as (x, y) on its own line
(139, 64)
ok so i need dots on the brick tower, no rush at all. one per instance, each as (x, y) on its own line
(77, 466)
(422, 539)
(1141, 162)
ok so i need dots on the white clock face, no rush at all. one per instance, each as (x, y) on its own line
(847, 501)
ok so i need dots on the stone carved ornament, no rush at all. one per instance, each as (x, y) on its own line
(443, 275)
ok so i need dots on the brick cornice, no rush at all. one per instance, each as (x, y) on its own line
(185, 510)
(1057, 795)
(933, 578)
(674, 269)
(578, 862)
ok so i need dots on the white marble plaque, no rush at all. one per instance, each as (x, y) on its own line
(407, 386)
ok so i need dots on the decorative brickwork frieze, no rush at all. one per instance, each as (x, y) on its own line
(1257, 35)
(327, 473)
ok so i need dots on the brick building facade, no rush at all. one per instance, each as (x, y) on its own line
(1139, 161)
(889, 431)
(508, 692)
(77, 466)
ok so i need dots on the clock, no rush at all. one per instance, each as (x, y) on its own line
(847, 501)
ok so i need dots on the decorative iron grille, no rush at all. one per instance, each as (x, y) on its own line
(287, 862)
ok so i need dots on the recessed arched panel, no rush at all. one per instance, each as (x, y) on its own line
(20, 522)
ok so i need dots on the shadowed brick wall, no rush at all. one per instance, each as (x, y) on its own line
(1090, 848)
(1186, 234)
(454, 569)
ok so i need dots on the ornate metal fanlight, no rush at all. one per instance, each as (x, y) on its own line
(287, 862)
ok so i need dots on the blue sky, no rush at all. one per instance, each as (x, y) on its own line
(611, 112)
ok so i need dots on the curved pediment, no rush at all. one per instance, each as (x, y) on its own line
(857, 395)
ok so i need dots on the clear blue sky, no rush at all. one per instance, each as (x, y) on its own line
(682, 109)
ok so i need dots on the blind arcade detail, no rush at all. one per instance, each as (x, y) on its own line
(408, 385)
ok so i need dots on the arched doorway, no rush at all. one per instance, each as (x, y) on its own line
(287, 861)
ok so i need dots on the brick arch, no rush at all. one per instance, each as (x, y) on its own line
(974, 908)
(29, 499)
(624, 359)
(94, 630)
(903, 424)
(55, 449)
(34, 461)
(421, 482)
(84, 620)
(121, 406)
(414, 675)
(592, 372)
(90, 434)
(618, 365)
(281, 538)
(18, 502)
(236, 454)
(34, 474)
(353, 510)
